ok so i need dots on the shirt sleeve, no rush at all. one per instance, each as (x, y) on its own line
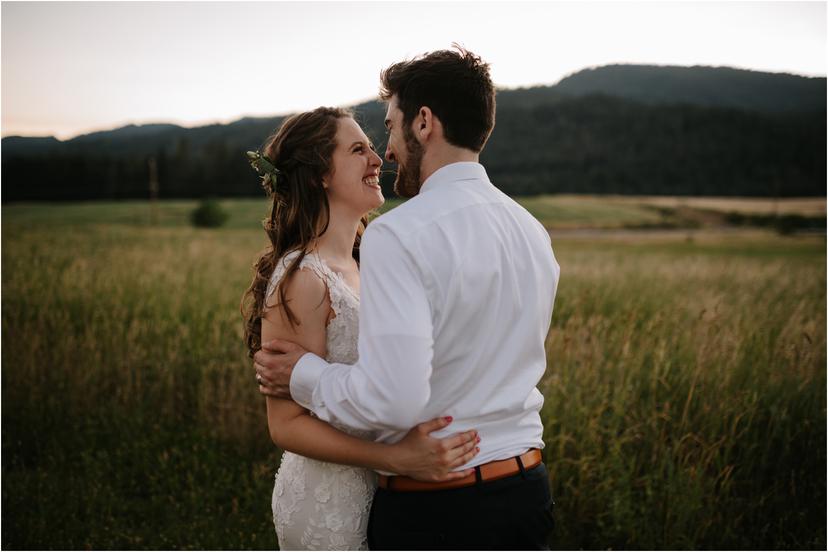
(389, 387)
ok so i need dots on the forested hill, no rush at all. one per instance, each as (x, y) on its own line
(615, 129)
(704, 86)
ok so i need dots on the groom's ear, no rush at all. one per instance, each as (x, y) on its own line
(424, 124)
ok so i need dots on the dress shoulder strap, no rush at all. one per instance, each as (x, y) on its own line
(310, 261)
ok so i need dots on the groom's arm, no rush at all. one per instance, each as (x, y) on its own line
(389, 386)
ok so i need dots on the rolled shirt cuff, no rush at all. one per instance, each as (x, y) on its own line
(306, 373)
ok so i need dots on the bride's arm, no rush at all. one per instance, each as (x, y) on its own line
(292, 428)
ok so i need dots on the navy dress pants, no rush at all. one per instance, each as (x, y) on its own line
(513, 513)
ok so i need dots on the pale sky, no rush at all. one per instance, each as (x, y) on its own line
(74, 67)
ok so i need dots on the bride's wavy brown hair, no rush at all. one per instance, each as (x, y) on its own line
(302, 152)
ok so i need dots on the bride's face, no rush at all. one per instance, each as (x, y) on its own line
(354, 179)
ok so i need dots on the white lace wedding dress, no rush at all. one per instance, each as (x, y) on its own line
(319, 505)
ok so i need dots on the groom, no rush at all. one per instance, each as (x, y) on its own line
(458, 285)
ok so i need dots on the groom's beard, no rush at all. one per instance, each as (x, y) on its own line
(408, 182)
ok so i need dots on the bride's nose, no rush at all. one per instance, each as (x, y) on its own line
(376, 160)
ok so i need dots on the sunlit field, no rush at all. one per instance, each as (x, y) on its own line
(685, 393)
(556, 212)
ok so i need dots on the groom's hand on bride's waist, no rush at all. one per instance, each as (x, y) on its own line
(274, 364)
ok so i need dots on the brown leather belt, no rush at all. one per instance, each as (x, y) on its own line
(488, 472)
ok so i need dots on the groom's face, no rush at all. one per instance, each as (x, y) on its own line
(404, 150)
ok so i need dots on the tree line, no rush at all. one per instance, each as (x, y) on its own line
(544, 142)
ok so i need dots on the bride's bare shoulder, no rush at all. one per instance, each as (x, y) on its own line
(306, 295)
(304, 290)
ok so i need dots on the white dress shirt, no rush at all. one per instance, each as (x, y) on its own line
(457, 285)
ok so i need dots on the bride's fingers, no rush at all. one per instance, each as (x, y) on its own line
(459, 440)
(465, 442)
(464, 458)
(434, 425)
(458, 454)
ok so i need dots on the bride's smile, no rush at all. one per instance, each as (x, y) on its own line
(354, 181)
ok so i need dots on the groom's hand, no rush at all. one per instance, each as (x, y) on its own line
(274, 364)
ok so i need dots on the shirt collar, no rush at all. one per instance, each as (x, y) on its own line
(453, 172)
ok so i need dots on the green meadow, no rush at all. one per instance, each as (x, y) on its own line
(685, 393)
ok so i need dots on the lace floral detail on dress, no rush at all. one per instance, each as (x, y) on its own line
(288, 495)
(319, 505)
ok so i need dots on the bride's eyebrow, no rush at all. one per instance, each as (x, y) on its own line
(361, 143)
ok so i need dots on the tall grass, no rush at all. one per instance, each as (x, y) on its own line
(685, 395)
(130, 414)
(554, 211)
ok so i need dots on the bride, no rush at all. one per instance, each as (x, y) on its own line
(322, 174)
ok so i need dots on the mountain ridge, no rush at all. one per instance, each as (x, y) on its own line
(719, 86)
(579, 83)
(658, 135)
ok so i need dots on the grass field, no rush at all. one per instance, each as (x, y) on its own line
(685, 393)
(556, 212)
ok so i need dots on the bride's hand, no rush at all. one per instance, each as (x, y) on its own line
(427, 458)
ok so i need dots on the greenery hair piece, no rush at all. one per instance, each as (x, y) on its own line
(265, 169)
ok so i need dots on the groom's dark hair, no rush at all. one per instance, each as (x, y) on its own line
(455, 85)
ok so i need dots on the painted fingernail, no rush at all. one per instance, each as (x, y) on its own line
(477, 449)
(478, 440)
(449, 418)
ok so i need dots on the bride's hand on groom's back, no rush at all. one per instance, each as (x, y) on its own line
(420, 456)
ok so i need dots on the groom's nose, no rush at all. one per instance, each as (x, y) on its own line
(389, 155)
